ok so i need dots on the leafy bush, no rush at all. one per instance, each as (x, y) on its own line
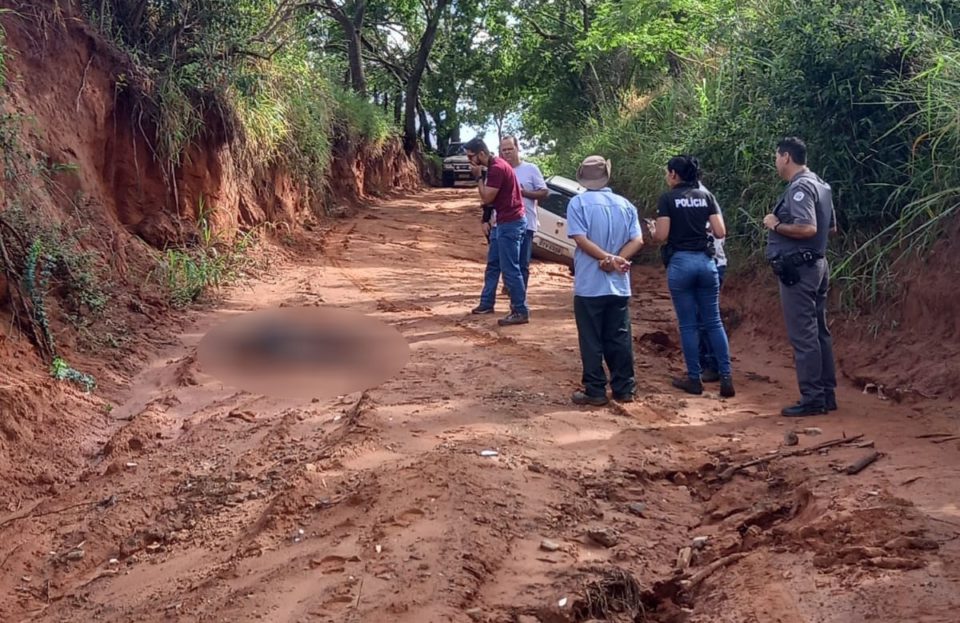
(871, 85)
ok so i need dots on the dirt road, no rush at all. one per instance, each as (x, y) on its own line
(210, 504)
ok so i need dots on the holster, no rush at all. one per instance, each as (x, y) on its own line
(786, 272)
(666, 252)
(787, 267)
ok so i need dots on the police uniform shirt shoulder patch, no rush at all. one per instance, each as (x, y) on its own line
(798, 196)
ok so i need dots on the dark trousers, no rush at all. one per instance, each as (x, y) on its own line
(805, 314)
(603, 326)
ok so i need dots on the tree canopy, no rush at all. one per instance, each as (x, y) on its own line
(871, 84)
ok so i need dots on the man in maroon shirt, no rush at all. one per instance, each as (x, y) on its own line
(500, 188)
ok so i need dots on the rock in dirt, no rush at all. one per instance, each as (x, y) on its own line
(76, 554)
(475, 613)
(604, 536)
(813, 431)
(911, 542)
(684, 558)
(247, 416)
(637, 508)
(549, 546)
(790, 438)
(856, 553)
(823, 561)
(700, 542)
(890, 562)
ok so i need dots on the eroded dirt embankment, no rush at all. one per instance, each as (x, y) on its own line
(200, 502)
(82, 172)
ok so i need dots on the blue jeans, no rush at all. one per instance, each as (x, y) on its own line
(510, 242)
(695, 289)
(491, 277)
(526, 254)
(708, 361)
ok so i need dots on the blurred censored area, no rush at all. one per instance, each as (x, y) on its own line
(312, 352)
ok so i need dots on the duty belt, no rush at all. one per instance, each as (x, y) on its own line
(802, 257)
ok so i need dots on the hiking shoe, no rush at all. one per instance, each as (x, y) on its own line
(580, 398)
(726, 387)
(804, 410)
(688, 385)
(624, 397)
(480, 309)
(710, 376)
(514, 318)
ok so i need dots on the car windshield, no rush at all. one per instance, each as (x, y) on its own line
(456, 149)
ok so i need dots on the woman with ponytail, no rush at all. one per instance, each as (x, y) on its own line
(682, 216)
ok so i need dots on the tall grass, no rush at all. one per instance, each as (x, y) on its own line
(873, 87)
(188, 273)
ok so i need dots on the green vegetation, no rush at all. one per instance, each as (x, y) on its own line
(189, 272)
(248, 64)
(871, 85)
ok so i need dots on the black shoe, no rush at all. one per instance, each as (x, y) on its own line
(726, 387)
(514, 318)
(804, 410)
(580, 398)
(624, 397)
(688, 385)
(481, 310)
(710, 376)
(831, 402)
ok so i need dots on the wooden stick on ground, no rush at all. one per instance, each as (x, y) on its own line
(729, 473)
(697, 578)
(946, 439)
(3, 563)
(31, 515)
(858, 466)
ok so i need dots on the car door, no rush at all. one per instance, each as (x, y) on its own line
(551, 238)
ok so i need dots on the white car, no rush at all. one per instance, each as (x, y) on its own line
(550, 241)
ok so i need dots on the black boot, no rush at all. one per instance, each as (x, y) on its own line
(804, 410)
(831, 402)
(580, 398)
(726, 387)
(688, 385)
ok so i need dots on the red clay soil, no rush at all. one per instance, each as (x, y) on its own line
(189, 500)
(904, 348)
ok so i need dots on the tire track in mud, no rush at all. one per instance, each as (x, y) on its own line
(380, 508)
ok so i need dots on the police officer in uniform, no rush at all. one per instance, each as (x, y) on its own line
(800, 225)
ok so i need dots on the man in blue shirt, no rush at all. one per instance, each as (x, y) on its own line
(606, 228)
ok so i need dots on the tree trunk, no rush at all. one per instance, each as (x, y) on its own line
(413, 83)
(358, 79)
(352, 30)
(398, 108)
(424, 128)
